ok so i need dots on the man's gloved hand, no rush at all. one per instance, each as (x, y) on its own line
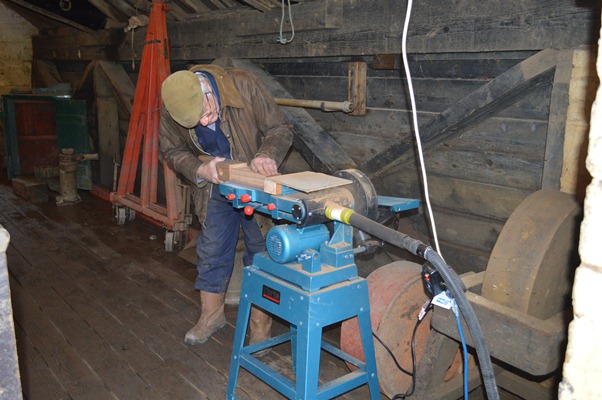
(264, 165)
(208, 171)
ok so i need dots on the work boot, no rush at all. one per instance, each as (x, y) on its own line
(212, 318)
(261, 329)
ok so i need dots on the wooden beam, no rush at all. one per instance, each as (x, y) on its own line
(472, 109)
(111, 12)
(260, 5)
(557, 119)
(196, 5)
(314, 144)
(108, 129)
(127, 9)
(52, 16)
(120, 83)
(357, 87)
(45, 73)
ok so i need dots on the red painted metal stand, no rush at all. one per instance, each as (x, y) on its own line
(143, 139)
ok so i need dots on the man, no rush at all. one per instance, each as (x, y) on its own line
(225, 113)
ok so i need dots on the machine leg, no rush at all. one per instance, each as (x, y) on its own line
(242, 322)
(369, 357)
(294, 348)
(309, 344)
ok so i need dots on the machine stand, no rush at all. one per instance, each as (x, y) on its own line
(308, 313)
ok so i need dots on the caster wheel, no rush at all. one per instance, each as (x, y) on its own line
(172, 240)
(120, 215)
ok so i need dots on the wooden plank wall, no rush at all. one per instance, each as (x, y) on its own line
(475, 180)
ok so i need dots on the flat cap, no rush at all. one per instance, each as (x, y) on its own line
(183, 98)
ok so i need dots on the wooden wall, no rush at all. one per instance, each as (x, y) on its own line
(491, 82)
(478, 176)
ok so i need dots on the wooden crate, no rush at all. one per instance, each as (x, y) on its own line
(31, 189)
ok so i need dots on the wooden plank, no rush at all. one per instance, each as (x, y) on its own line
(74, 374)
(481, 166)
(37, 380)
(468, 232)
(481, 199)
(511, 334)
(472, 109)
(239, 172)
(316, 146)
(525, 388)
(308, 181)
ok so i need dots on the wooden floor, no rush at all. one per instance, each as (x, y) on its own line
(101, 310)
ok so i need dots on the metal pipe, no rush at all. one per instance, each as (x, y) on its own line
(344, 106)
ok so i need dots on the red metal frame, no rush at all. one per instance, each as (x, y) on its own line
(143, 135)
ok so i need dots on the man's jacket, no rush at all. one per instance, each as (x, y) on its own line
(250, 119)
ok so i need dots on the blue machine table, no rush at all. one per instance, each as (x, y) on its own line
(307, 277)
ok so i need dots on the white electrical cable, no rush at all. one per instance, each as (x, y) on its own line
(281, 38)
(415, 122)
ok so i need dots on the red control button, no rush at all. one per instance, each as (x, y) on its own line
(248, 210)
(271, 207)
(245, 198)
(231, 196)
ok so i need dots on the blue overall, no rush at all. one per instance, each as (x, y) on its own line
(216, 245)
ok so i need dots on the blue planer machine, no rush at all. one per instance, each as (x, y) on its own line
(308, 277)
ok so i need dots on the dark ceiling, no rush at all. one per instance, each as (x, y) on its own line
(93, 15)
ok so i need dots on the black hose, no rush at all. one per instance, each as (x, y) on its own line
(453, 282)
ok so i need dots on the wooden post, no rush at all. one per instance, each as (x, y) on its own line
(357, 87)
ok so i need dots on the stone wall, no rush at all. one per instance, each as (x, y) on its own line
(583, 364)
(17, 54)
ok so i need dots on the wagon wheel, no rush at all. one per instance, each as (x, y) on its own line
(396, 297)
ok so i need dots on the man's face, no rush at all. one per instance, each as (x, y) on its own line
(211, 113)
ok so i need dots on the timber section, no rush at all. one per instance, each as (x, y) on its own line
(100, 311)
